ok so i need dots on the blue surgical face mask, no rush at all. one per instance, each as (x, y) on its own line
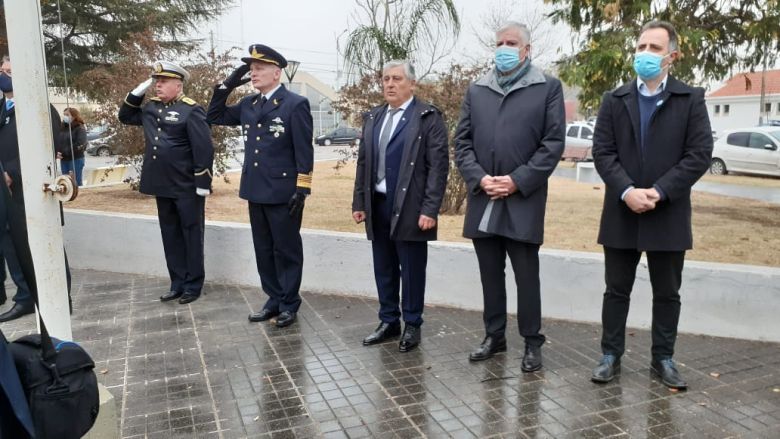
(507, 58)
(648, 65)
(66, 119)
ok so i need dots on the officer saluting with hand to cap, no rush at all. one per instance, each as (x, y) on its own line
(177, 170)
(277, 129)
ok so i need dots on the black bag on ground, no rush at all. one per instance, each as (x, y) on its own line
(59, 381)
(62, 392)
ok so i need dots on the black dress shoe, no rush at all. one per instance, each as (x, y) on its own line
(490, 345)
(532, 359)
(170, 295)
(607, 370)
(668, 373)
(188, 297)
(410, 338)
(262, 315)
(383, 332)
(16, 312)
(286, 318)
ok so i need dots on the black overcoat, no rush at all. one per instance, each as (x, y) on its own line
(677, 151)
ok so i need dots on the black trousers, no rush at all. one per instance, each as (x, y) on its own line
(278, 253)
(182, 224)
(398, 265)
(491, 254)
(665, 277)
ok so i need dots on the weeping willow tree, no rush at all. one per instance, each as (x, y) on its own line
(423, 31)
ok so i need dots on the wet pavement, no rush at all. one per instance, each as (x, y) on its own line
(201, 370)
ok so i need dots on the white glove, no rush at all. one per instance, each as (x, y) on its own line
(142, 87)
(202, 192)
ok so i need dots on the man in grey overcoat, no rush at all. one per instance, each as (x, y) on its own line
(509, 139)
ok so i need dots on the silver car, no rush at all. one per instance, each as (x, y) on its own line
(752, 150)
(579, 142)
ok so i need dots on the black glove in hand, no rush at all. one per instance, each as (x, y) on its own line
(236, 79)
(296, 204)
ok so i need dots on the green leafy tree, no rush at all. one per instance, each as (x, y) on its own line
(421, 30)
(95, 31)
(110, 84)
(715, 37)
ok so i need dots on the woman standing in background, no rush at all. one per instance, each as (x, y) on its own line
(72, 154)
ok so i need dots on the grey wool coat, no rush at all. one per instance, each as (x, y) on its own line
(520, 134)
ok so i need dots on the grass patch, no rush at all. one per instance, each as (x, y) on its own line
(726, 229)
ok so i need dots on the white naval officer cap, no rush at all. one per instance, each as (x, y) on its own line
(167, 69)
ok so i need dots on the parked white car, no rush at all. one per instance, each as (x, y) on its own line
(579, 142)
(754, 150)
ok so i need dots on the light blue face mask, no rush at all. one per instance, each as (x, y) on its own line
(648, 65)
(66, 119)
(507, 58)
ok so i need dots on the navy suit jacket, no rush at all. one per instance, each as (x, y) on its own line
(279, 156)
(395, 148)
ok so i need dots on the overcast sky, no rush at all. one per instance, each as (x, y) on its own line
(306, 30)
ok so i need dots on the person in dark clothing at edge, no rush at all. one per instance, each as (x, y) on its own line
(12, 217)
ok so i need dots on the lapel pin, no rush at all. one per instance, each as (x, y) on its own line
(659, 103)
(276, 102)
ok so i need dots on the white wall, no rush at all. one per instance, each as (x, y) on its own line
(718, 299)
(743, 111)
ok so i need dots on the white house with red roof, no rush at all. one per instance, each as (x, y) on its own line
(737, 104)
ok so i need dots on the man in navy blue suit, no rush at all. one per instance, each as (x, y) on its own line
(277, 128)
(399, 185)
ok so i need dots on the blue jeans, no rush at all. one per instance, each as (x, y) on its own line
(77, 166)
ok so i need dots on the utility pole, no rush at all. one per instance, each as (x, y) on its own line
(762, 101)
(36, 157)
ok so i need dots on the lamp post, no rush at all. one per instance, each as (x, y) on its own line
(290, 70)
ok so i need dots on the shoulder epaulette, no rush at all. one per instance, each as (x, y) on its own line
(188, 101)
(156, 99)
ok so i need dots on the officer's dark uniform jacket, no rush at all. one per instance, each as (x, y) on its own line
(179, 151)
(278, 157)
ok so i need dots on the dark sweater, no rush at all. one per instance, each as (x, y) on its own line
(647, 107)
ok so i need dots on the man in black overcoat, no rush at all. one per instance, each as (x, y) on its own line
(652, 142)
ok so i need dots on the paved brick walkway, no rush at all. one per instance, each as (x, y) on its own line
(203, 371)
